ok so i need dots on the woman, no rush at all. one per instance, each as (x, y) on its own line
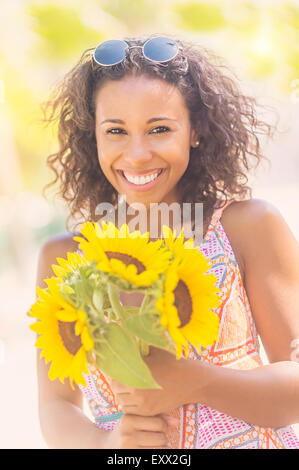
(163, 104)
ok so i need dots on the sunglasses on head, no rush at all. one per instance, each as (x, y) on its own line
(159, 49)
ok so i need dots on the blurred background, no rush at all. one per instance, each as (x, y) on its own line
(39, 42)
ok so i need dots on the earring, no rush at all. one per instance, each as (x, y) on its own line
(196, 144)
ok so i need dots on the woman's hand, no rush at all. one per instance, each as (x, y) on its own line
(172, 374)
(141, 432)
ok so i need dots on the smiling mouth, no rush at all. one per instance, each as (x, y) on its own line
(140, 182)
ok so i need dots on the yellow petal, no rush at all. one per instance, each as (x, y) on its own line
(82, 316)
(58, 270)
(78, 327)
(86, 339)
(66, 315)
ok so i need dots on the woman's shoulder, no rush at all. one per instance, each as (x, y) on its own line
(246, 223)
(63, 240)
(245, 216)
(250, 210)
(58, 245)
(258, 224)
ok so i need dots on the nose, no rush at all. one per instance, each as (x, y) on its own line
(137, 153)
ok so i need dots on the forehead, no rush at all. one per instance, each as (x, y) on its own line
(141, 93)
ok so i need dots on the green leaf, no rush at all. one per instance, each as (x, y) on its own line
(119, 358)
(148, 328)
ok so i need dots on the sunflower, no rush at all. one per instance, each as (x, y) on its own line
(176, 244)
(189, 295)
(65, 266)
(129, 255)
(63, 334)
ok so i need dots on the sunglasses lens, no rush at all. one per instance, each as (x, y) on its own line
(160, 49)
(110, 52)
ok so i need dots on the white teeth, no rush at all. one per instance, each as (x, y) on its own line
(142, 179)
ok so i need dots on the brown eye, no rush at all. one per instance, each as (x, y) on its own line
(166, 129)
(109, 131)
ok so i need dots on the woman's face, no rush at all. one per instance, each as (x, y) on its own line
(150, 132)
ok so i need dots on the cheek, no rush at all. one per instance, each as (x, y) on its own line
(104, 164)
(104, 156)
(106, 169)
(180, 163)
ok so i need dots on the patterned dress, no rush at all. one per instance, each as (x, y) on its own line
(202, 427)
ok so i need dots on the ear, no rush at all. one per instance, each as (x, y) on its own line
(194, 136)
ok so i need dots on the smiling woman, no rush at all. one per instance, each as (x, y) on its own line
(175, 132)
(210, 134)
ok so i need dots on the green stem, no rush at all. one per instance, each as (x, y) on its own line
(144, 303)
(113, 294)
(96, 317)
(115, 303)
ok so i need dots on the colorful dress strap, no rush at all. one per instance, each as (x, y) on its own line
(218, 211)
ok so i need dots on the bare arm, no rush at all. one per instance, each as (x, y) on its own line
(266, 396)
(63, 423)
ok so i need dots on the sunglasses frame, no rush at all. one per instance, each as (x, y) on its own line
(130, 47)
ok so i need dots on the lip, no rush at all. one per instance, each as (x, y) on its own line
(141, 187)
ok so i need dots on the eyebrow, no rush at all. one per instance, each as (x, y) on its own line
(154, 119)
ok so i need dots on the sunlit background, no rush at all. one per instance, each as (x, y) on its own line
(39, 42)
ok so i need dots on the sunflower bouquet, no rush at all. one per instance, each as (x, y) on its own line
(81, 320)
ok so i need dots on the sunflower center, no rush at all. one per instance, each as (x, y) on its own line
(183, 303)
(127, 260)
(72, 343)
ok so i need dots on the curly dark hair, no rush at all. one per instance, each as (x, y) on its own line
(226, 121)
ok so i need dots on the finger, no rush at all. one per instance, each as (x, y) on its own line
(126, 399)
(171, 420)
(117, 387)
(147, 423)
(132, 410)
(146, 438)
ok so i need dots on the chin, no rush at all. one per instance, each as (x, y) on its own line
(136, 204)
